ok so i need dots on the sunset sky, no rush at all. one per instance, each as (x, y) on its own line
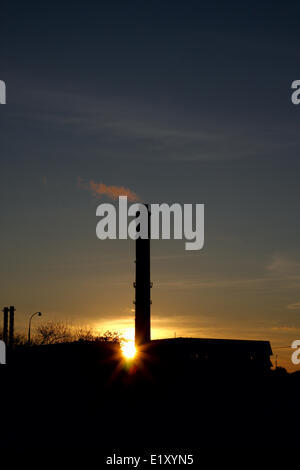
(185, 102)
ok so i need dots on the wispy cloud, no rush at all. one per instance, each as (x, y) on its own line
(284, 328)
(281, 264)
(284, 268)
(280, 272)
(112, 192)
(294, 306)
(134, 124)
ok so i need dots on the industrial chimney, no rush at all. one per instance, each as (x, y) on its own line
(11, 325)
(142, 286)
(5, 324)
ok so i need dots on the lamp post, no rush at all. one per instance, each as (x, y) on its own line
(29, 327)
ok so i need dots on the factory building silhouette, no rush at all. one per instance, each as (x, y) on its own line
(247, 354)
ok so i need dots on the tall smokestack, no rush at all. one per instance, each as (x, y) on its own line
(11, 325)
(142, 289)
(5, 324)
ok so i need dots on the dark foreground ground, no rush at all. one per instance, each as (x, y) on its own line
(86, 396)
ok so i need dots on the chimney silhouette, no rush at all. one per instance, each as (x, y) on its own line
(142, 286)
(11, 325)
(5, 324)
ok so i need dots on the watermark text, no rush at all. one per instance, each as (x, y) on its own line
(156, 221)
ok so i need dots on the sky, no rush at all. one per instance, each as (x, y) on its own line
(186, 102)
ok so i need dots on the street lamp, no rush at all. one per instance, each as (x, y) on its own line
(29, 327)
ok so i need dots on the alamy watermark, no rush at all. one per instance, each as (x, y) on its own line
(161, 217)
(2, 92)
(296, 354)
(296, 94)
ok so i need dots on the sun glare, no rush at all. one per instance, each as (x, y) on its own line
(128, 349)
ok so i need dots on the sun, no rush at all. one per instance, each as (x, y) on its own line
(128, 349)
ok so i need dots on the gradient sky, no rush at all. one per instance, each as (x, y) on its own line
(179, 102)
